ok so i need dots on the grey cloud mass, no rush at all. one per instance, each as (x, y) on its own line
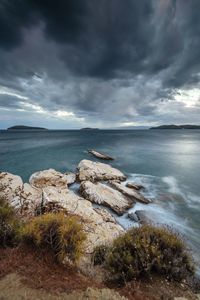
(99, 63)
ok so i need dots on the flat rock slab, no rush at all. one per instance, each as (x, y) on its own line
(100, 155)
(94, 171)
(51, 177)
(129, 192)
(104, 195)
(134, 186)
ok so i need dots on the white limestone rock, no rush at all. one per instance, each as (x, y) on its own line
(71, 178)
(22, 197)
(102, 194)
(129, 192)
(94, 171)
(49, 177)
(11, 186)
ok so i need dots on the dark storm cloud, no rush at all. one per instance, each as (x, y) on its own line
(101, 38)
(103, 59)
(9, 101)
(105, 38)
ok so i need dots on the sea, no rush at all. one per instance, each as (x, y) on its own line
(166, 162)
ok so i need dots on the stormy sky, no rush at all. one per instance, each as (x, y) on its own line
(100, 63)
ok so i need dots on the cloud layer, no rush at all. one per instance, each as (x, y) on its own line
(68, 64)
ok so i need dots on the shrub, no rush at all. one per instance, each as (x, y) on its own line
(99, 254)
(60, 233)
(9, 225)
(146, 250)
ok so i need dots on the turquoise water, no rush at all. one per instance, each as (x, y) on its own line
(167, 162)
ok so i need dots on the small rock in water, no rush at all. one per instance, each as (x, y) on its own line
(133, 217)
(142, 217)
(100, 155)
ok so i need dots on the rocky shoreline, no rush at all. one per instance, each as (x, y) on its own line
(99, 184)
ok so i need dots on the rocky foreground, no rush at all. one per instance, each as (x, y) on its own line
(24, 276)
(99, 183)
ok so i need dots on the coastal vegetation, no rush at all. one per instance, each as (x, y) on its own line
(60, 233)
(9, 225)
(145, 251)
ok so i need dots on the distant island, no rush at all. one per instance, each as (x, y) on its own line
(177, 127)
(89, 128)
(23, 127)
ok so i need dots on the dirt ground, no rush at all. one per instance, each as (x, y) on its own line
(26, 275)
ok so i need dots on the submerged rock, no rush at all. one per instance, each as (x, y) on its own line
(90, 170)
(100, 155)
(102, 194)
(134, 186)
(142, 217)
(50, 177)
(131, 193)
(133, 217)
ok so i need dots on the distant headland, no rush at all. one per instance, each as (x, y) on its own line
(177, 127)
(23, 127)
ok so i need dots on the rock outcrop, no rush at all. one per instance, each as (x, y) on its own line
(100, 226)
(96, 171)
(27, 200)
(22, 197)
(102, 194)
(48, 191)
(10, 187)
(131, 193)
(50, 177)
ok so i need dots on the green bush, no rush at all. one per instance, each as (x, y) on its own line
(9, 225)
(99, 254)
(146, 250)
(57, 232)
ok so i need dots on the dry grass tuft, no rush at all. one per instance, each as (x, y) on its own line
(58, 232)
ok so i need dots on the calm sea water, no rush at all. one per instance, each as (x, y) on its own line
(167, 162)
